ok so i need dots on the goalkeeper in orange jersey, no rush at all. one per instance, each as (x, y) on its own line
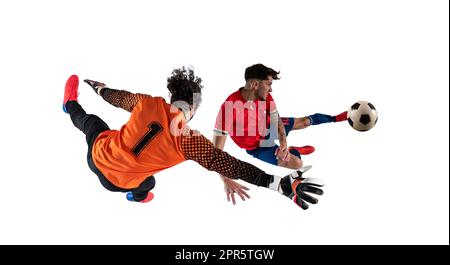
(156, 137)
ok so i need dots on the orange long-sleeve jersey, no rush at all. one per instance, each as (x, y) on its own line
(153, 140)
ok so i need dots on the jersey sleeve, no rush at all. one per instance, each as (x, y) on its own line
(122, 99)
(270, 104)
(202, 151)
(224, 119)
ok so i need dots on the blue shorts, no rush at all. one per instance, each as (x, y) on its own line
(267, 154)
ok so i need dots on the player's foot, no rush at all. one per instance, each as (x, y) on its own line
(149, 197)
(97, 86)
(341, 117)
(303, 150)
(71, 91)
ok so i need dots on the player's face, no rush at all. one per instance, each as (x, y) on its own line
(193, 110)
(264, 87)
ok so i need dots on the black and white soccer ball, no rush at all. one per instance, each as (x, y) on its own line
(362, 116)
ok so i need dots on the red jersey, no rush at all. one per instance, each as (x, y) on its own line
(245, 121)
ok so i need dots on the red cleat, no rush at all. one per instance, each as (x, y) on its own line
(149, 197)
(341, 117)
(71, 91)
(303, 150)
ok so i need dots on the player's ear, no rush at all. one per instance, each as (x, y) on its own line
(254, 84)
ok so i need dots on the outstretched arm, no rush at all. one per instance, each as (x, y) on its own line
(201, 150)
(293, 186)
(230, 186)
(118, 98)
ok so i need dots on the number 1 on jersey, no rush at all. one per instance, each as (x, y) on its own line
(154, 129)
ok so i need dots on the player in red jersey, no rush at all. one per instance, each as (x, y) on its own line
(250, 117)
(156, 137)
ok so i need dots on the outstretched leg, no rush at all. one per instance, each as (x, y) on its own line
(90, 125)
(316, 119)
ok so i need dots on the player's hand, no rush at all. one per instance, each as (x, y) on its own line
(231, 187)
(282, 153)
(299, 189)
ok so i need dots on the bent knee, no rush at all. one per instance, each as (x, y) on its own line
(295, 163)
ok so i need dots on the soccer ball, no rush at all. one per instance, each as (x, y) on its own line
(362, 116)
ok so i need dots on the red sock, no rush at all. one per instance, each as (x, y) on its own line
(341, 117)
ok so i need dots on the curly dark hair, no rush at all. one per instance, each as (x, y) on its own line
(260, 72)
(182, 85)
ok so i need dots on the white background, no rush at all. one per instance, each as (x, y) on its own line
(386, 186)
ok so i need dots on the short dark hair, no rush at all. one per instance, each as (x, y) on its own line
(260, 72)
(182, 85)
